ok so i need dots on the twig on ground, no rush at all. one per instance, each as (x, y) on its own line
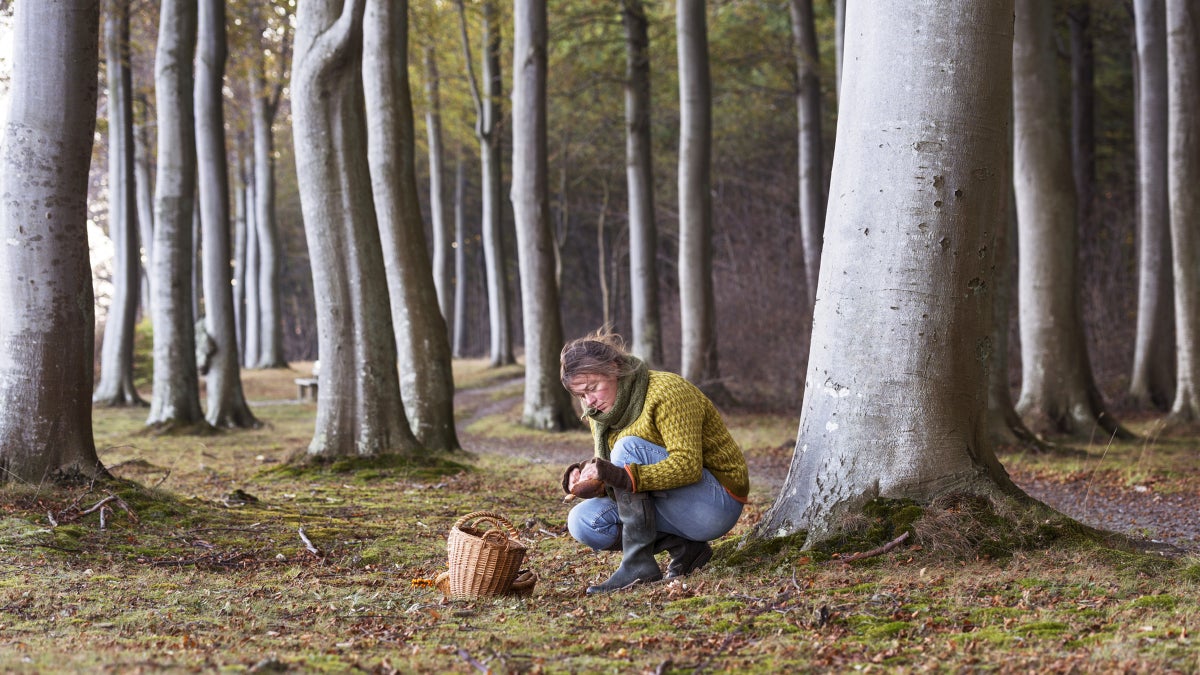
(466, 656)
(873, 552)
(53, 522)
(308, 543)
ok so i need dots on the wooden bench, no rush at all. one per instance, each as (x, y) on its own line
(308, 387)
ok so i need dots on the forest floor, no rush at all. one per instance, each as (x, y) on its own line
(214, 554)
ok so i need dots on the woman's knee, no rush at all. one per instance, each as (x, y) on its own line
(636, 450)
(588, 524)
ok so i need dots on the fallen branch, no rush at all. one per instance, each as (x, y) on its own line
(466, 656)
(873, 552)
(308, 543)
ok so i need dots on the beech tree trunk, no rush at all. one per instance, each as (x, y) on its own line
(812, 166)
(645, 316)
(443, 267)
(264, 104)
(227, 406)
(697, 306)
(47, 335)
(547, 405)
(251, 346)
(426, 377)
(906, 277)
(144, 196)
(460, 257)
(175, 402)
(359, 411)
(116, 386)
(1058, 392)
(1183, 177)
(1152, 382)
(488, 131)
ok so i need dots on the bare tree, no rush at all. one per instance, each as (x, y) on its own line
(46, 364)
(1152, 382)
(426, 377)
(488, 131)
(1183, 175)
(443, 235)
(359, 411)
(227, 405)
(645, 317)
(812, 167)
(458, 348)
(906, 276)
(1058, 392)
(116, 386)
(547, 405)
(175, 402)
(697, 306)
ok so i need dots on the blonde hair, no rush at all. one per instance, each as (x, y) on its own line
(601, 352)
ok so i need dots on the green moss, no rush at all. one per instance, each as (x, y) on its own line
(889, 629)
(1042, 628)
(1166, 602)
(755, 554)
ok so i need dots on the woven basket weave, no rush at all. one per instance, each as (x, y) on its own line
(483, 561)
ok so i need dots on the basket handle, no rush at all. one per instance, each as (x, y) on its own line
(493, 518)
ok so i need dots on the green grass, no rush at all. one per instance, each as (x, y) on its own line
(196, 576)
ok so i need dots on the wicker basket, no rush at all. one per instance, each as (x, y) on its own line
(483, 562)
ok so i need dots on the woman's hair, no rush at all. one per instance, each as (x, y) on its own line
(601, 352)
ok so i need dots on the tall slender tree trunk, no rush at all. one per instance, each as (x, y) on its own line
(263, 107)
(359, 411)
(698, 321)
(645, 315)
(460, 257)
(547, 406)
(920, 164)
(839, 41)
(443, 267)
(1183, 176)
(488, 131)
(251, 347)
(144, 197)
(176, 398)
(426, 377)
(812, 166)
(47, 335)
(1152, 382)
(116, 386)
(239, 250)
(227, 407)
(1058, 392)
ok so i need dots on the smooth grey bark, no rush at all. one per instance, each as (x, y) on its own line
(1083, 114)
(918, 177)
(227, 407)
(645, 315)
(1183, 176)
(697, 307)
(144, 196)
(443, 235)
(1058, 391)
(359, 411)
(488, 130)
(1152, 381)
(175, 402)
(252, 344)
(239, 250)
(460, 257)
(116, 387)
(808, 134)
(264, 104)
(422, 344)
(547, 406)
(47, 335)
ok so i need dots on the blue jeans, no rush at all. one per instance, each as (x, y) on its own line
(701, 511)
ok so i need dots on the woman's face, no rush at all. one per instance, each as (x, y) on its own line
(595, 390)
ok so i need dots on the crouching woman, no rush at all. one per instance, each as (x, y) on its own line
(666, 474)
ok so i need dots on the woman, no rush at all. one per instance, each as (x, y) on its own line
(675, 477)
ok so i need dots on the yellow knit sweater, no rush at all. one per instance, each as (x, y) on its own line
(680, 418)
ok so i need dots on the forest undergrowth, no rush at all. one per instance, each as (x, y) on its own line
(210, 553)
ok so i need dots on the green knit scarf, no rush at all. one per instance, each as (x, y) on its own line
(631, 397)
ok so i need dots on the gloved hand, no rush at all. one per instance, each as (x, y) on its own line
(567, 479)
(614, 476)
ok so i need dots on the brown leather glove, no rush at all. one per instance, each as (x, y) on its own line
(566, 477)
(614, 476)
